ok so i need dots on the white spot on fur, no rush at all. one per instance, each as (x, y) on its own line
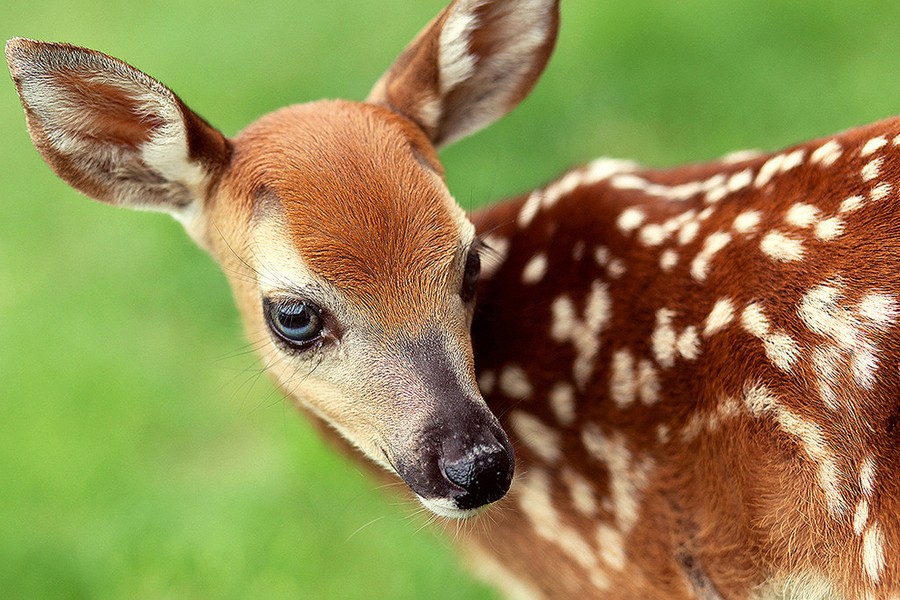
(604, 168)
(754, 320)
(861, 516)
(721, 315)
(801, 215)
(648, 383)
(612, 547)
(487, 381)
(630, 219)
(880, 191)
(529, 209)
(581, 492)
(627, 477)
(562, 403)
(739, 156)
(864, 365)
(873, 552)
(740, 180)
(769, 169)
(779, 347)
(747, 221)
(535, 269)
(851, 204)
(826, 154)
(829, 229)
(716, 194)
(696, 425)
(689, 343)
(663, 433)
(688, 232)
(622, 381)
(664, 338)
(536, 435)
(668, 344)
(652, 235)
(825, 360)
(627, 382)
(879, 308)
(872, 169)
(706, 213)
(493, 259)
(872, 145)
(675, 223)
(727, 409)
(779, 164)
(793, 160)
(668, 259)
(820, 311)
(809, 435)
(582, 333)
(514, 383)
(867, 476)
(712, 245)
(715, 187)
(595, 172)
(616, 268)
(601, 255)
(780, 247)
(781, 350)
(629, 182)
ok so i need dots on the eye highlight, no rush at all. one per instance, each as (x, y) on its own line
(470, 276)
(297, 322)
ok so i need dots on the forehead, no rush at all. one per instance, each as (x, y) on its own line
(356, 195)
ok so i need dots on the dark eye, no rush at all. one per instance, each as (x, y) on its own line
(470, 276)
(296, 322)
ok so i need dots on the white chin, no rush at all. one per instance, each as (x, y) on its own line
(446, 508)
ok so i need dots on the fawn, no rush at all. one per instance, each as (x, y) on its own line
(697, 367)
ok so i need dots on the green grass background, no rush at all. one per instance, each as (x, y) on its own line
(142, 452)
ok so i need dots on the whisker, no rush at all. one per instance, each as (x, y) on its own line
(361, 527)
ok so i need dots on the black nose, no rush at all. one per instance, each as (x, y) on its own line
(484, 473)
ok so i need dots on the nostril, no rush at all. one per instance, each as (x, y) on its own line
(484, 473)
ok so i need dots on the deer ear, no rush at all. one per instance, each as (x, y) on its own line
(471, 65)
(114, 133)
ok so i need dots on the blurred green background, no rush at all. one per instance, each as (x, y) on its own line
(142, 452)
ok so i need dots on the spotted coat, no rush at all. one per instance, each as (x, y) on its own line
(701, 378)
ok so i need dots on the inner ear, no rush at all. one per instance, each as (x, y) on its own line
(108, 113)
(113, 132)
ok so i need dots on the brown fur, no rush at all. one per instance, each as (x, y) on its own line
(318, 164)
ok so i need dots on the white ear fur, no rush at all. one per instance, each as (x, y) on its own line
(470, 66)
(112, 132)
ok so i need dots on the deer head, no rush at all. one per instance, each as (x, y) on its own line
(344, 248)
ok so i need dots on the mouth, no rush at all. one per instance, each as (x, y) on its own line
(447, 508)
